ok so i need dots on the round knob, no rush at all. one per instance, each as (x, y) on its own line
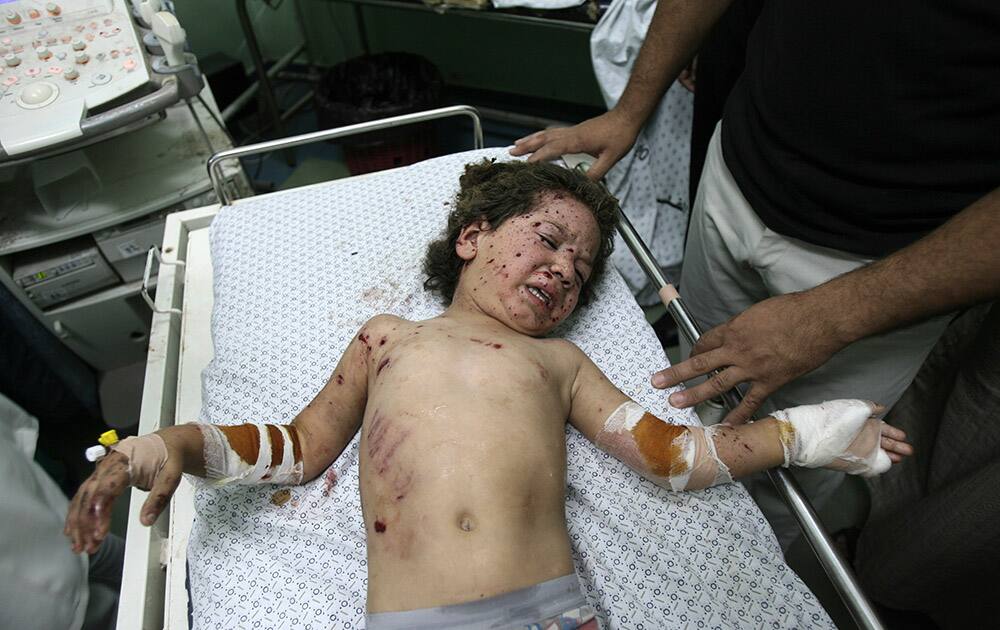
(37, 93)
(33, 14)
(43, 52)
(70, 74)
(53, 8)
(12, 17)
(79, 44)
(12, 59)
(82, 57)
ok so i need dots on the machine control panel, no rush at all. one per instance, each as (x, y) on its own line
(59, 61)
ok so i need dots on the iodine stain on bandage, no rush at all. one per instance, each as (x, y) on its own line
(659, 446)
(244, 439)
(675, 456)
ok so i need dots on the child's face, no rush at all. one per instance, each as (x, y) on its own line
(528, 272)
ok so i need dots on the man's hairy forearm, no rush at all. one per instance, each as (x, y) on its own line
(954, 266)
(675, 33)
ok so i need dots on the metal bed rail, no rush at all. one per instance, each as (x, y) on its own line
(833, 563)
(214, 162)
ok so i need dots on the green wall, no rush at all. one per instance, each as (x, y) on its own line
(518, 58)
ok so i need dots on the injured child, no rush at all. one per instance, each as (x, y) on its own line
(462, 419)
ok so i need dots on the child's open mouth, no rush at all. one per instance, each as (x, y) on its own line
(541, 296)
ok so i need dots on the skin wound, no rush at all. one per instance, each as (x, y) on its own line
(655, 440)
(244, 439)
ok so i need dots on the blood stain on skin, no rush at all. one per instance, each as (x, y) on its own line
(547, 274)
(535, 224)
(381, 366)
(382, 341)
(383, 440)
(498, 345)
(517, 255)
(329, 481)
(340, 379)
(490, 260)
(281, 497)
(379, 527)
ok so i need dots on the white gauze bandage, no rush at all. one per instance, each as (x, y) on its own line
(674, 456)
(251, 453)
(837, 434)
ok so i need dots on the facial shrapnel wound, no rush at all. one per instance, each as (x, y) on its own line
(252, 453)
(673, 456)
(146, 455)
(836, 434)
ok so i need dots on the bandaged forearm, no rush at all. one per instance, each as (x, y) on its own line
(674, 456)
(837, 434)
(252, 453)
(242, 454)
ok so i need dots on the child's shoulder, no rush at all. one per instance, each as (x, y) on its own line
(384, 322)
(564, 348)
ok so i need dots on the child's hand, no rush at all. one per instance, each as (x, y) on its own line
(89, 516)
(841, 435)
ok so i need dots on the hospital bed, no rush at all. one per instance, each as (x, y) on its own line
(255, 301)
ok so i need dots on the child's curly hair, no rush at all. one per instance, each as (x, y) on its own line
(496, 191)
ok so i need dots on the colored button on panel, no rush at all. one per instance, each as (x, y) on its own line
(33, 72)
(53, 8)
(65, 38)
(100, 78)
(6, 41)
(129, 64)
(70, 74)
(55, 70)
(89, 37)
(34, 14)
(108, 22)
(114, 54)
(11, 80)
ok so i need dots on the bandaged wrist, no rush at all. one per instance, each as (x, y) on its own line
(673, 456)
(252, 453)
(836, 434)
(146, 455)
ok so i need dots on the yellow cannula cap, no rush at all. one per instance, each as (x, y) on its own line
(108, 438)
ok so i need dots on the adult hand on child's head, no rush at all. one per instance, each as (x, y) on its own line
(767, 345)
(607, 137)
(89, 517)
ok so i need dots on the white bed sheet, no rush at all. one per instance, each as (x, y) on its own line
(296, 274)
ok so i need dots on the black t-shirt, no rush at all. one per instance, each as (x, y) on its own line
(862, 125)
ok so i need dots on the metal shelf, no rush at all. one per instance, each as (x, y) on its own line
(132, 168)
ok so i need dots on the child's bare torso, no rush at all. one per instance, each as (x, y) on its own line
(463, 461)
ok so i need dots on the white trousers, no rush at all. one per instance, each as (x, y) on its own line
(732, 260)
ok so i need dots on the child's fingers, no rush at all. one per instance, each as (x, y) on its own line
(895, 446)
(877, 410)
(895, 458)
(893, 432)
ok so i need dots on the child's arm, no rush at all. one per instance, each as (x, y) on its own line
(246, 453)
(836, 434)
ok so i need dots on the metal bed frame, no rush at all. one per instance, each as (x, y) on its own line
(159, 410)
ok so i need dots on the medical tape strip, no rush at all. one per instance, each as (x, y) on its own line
(147, 455)
(676, 456)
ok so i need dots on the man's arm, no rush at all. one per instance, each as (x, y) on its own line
(675, 33)
(781, 338)
(298, 452)
(841, 434)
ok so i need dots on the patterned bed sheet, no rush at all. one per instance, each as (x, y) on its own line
(296, 275)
